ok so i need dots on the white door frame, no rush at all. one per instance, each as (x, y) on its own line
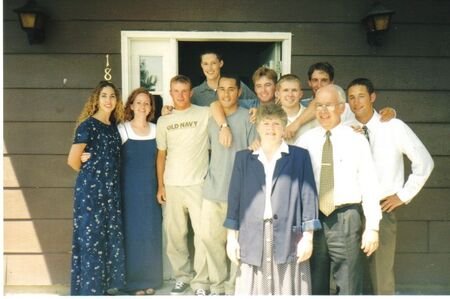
(169, 41)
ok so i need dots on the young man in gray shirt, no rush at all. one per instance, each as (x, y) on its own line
(215, 189)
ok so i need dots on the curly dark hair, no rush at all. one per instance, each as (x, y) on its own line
(91, 106)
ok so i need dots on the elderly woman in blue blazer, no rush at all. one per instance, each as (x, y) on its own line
(272, 212)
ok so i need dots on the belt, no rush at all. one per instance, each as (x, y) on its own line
(342, 208)
(347, 205)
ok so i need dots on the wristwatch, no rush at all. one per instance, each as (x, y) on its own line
(224, 125)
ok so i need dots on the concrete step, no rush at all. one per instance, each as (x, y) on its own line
(64, 290)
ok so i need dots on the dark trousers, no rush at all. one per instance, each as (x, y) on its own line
(337, 250)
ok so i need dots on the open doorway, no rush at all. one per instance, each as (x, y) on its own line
(240, 58)
(168, 53)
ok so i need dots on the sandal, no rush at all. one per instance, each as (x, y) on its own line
(143, 292)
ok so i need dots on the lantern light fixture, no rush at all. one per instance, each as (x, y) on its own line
(377, 21)
(32, 21)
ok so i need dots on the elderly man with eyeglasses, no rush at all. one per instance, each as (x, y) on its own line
(347, 183)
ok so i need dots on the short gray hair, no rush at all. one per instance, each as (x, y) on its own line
(271, 110)
(342, 98)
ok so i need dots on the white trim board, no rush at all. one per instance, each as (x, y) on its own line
(165, 43)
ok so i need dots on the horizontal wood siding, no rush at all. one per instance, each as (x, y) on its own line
(37, 269)
(296, 11)
(410, 72)
(37, 203)
(101, 37)
(38, 236)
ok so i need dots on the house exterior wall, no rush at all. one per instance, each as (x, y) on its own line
(410, 71)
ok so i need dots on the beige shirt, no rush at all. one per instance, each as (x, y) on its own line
(183, 135)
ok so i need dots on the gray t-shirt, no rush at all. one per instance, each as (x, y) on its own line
(220, 167)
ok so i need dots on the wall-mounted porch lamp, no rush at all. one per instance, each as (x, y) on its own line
(32, 21)
(377, 21)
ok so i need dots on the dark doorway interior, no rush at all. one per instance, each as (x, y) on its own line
(240, 58)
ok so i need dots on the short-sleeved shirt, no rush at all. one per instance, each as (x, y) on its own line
(203, 95)
(222, 158)
(183, 135)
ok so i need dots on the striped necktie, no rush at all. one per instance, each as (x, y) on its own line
(326, 188)
(366, 132)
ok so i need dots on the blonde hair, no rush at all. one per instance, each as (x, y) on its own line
(264, 71)
(290, 78)
(91, 106)
(181, 79)
(129, 114)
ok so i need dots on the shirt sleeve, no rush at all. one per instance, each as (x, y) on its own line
(369, 185)
(251, 133)
(247, 93)
(161, 135)
(234, 195)
(310, 206)
(82, 133)
(195, 99)
(122, 132)
(421, 161)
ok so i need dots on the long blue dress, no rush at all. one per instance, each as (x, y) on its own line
(142, 214)
(98, 261)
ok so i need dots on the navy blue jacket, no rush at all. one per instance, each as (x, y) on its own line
(294, 204)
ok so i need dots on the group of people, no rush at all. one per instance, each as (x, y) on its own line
(285, 195)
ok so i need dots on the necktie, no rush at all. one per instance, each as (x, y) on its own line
(326, 188)
(366, 132)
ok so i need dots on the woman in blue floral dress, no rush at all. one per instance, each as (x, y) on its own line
(98, 262)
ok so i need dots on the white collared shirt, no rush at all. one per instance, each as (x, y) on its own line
(269, 167)
(347, 118)
(355, 178)
(389, 141)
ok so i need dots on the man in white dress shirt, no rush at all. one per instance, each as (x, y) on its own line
(389, 141)
(352, 181)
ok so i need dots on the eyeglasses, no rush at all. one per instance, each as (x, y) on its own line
(327, 107)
